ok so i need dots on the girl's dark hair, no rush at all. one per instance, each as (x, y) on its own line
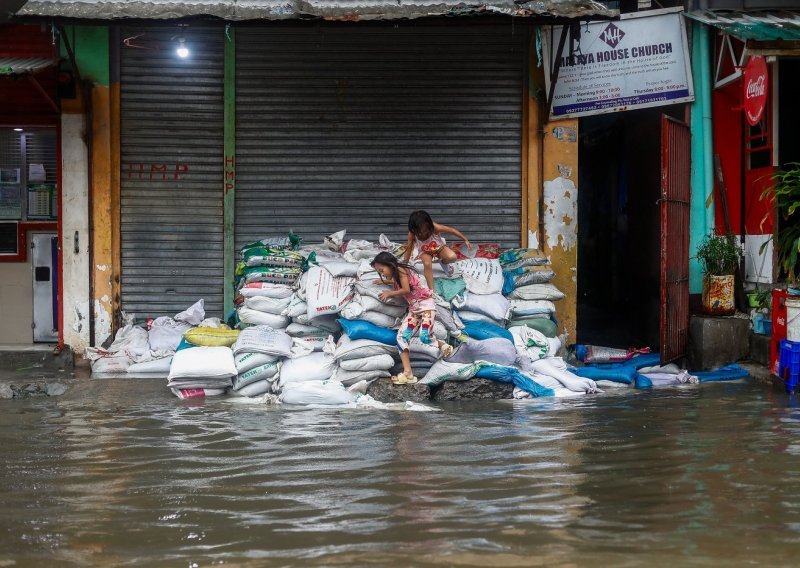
(419, 220)
(390, 260)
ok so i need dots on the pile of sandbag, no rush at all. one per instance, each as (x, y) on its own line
(258, 355)
(201, 371)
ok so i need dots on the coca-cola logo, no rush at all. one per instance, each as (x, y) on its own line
(755, 89)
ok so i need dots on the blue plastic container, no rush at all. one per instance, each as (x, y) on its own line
(789, 364)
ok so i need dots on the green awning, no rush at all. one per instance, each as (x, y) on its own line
(753, 25)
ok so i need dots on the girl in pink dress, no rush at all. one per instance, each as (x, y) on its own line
(421, 309)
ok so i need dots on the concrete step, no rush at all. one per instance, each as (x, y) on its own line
(37, 356)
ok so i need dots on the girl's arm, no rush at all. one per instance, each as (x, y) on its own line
(409, 248)
(451, 231)
(405, 287)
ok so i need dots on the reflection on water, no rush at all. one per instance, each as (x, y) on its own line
(121, 473)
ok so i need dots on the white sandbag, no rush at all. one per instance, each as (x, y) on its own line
(112, 363)
(202, 362)
(495, 306)
(264, 372)
(556, 368)
(537, 292)
(317, 366)
(154, 366)
(296, 307)
(360, 348)
(301, 330)
(165, 333)
(468, 316)
(246, 361)
(326, 294)
(184, 394)
(530, 342)
(442, 371)
(263, 339)
(192, 315)
(329, 393)
(381, 320)
(496, 350)
(450, 321)
(532, 307)
(340, 268)
(131, 337)
(424, 350)
(267, 289)
(366, 286)
(314, 342)
(327, 323)
(360, 304)
(382, 362)
(251, 316)
(534, 275)
(555, 346)
(439, 331)
(264, 304)
(349, 378)
(256, 388)
(481, 275)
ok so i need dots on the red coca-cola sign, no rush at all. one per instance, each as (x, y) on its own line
(755, 89)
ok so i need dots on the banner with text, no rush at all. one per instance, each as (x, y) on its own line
(636, 62)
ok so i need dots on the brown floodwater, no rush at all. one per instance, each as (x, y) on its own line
(121, 473)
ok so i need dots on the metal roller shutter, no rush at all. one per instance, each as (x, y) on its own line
(171, 182)
(355, 126)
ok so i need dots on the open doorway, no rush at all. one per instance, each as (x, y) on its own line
(619, 258)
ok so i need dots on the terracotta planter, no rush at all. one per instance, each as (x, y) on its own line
(718, 298)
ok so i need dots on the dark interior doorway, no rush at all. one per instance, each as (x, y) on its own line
(788, 110)
(619, 228)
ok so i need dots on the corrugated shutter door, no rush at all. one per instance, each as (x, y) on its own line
(353, 127)
(171, 186)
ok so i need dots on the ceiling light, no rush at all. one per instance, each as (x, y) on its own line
(17, 130)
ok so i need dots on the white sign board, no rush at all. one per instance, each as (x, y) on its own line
(636, 62)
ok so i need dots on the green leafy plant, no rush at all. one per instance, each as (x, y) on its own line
(784, 195)
(718, 255)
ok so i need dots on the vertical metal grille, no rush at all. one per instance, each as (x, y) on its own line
(355, 126)
(171, 179)
(675, 195)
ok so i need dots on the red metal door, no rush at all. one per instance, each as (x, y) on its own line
(675, 165)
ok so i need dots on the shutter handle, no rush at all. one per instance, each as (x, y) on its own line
(76, 240)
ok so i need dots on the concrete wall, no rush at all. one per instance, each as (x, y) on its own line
(16, 302)
(75, 218)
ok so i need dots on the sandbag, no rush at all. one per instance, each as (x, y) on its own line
(514, 376)
(270, 274)
(112, 363)
(544, 325)
(495, 306)
(184, 394)
(423, 351)
(263, 339)
(192, 315)
(326, 294)
(622, 374)
(255, 389)
(327, 393)
(357, 329)
(530, 342)
(449, 321)
(211, 336)
(315, 367)
(271, 256)
(359, 348)
(366, 286)
(248, 315)
(165, 334)
(382, 362)
(532, 275)
(484, 330)
(296, 307)
(442, 371)
(449, 288)
(466, 316)
(340, 268)
(155, 366)
(381, 320)
(481, 275)
(268, 289)
(202, 362)
(521, 308)
(537, 292)
(495, 350)
(246, 361)
(360, 304)
(528, 255)
(268, 305)
(349, 378)
(264, 372)
(301, 330)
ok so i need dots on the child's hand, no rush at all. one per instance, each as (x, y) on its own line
(384, 296)
(467, 243)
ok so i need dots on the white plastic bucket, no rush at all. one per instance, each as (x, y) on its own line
(793, 318)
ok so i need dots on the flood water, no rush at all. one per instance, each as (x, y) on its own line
(119, 473)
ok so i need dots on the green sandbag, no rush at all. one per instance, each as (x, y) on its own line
(449, 288)
(544, 325)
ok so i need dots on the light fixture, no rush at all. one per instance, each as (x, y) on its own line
(182, 51)
(17, 130)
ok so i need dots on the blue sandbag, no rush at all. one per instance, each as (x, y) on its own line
(508, 283)
(485, 330)
(642, 382)
(184, 345)
(359, 329)
(513, 375)
(636, 362)
(624, 374)
(726, 373)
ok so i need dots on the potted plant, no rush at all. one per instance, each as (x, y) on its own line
(718, 256)
(784, 194)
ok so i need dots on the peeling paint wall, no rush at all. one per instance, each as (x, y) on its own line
(75, 231)
(560, 215)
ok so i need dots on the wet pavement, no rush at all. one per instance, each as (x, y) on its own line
(119, 472)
